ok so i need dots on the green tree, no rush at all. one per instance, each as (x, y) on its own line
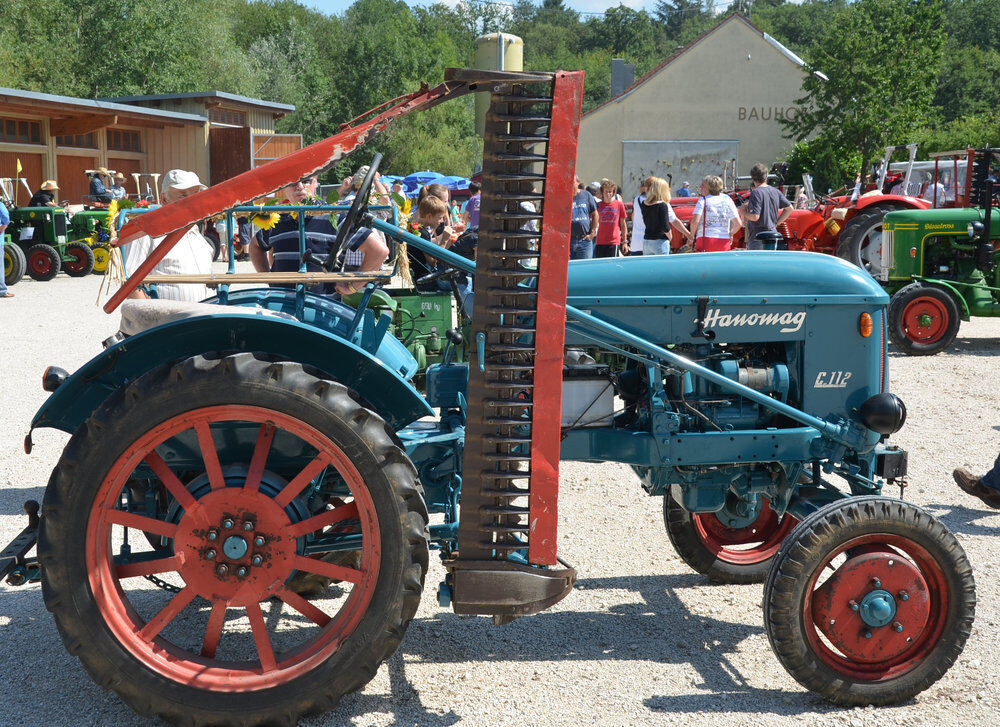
(881, 59)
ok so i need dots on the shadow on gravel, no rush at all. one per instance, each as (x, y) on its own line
(657, 627)
(12, 500)
(960, 519)
(962, 347)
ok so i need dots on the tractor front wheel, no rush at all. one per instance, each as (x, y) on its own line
(861, 240)
(14, 264)
(185, 511)
(869, 601)
(731, 548)
(102, 256)
(43, 262)
(923, 319)
(80, 260)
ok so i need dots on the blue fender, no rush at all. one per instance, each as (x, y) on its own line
(385, 390)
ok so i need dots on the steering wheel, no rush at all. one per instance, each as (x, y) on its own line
(436, 275)
(353, 217)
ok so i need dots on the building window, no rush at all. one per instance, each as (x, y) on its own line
(119, 140)
(219, 115)
(83, 141)
(18, 131)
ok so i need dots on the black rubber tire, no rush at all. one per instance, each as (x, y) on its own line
(856, 232)
(804, 551)
(897, 326)
(680, 527)
(83, 262)
(14, 264)
(215, 242)
(169, 391)
(44, 262)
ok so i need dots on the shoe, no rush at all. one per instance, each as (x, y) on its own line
(975, 487)
(7, 295)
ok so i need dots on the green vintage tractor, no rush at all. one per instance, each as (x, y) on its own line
(42, 233)
(93, 227)
(943, 265)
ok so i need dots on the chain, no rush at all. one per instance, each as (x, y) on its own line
(162, 584)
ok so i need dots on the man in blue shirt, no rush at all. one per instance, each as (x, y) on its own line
(685, 190)
(584, 224)
(4, 221)
(98, 192)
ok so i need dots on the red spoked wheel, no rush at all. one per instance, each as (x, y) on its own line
(193, 537)
(923, 319)
(869, 601)
(738, 550)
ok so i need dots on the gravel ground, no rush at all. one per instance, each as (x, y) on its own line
(642, 640)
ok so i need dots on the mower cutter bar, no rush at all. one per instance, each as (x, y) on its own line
(12, 556)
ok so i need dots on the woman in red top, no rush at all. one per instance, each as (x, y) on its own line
(612, 229)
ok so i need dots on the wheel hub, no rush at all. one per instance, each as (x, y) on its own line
(235, 546)
(873, 607)
(924, 320)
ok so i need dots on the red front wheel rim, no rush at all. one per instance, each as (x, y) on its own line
(843, 641)
(755, 543)
(925, 319)
(40, 263)
(263, 541)
(78, 262)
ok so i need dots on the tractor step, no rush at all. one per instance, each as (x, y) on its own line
(12, 562)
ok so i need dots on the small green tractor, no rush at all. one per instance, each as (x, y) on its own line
(43, 235)
(941, 265)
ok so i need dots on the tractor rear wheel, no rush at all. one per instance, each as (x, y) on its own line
(869, 601)
(923, 319)
(861, 239)
(81, 260)
(44, 262)
(102, 256)
(731, 551)
(182, 511)
(14, 264)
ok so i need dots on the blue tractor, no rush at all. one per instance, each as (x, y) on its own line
(238, 531)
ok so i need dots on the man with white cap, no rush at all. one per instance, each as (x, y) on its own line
(192, 255)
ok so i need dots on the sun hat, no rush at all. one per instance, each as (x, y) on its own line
(49, 185)
(181, 179)
(102, 170)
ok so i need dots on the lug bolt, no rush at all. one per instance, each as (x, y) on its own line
(210, 554)
(259, 541)
(904, 596)
(897, 627)
(227, 523)
(212, 534)
(833, 621)
(257, 560)
(241, 572)
(868, 634)
(247, 525)
(853, 605)
(223, 569)
(876, 583)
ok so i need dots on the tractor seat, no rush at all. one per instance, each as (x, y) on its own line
(140, 314)
(769, 239)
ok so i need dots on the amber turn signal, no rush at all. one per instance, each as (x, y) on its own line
(865, 325)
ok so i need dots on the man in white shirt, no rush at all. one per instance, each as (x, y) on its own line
(192, 255)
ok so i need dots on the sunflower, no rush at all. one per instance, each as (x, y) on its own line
(266, 222)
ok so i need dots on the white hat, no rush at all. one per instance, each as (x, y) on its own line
(181, 179)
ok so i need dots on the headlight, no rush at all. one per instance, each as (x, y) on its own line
(883, 413)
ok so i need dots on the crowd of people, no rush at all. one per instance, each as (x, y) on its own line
(599, 217)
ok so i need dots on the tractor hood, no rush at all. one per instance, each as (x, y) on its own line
(742, 278)
(943, 221)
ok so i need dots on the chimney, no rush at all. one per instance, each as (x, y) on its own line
(622, 76)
